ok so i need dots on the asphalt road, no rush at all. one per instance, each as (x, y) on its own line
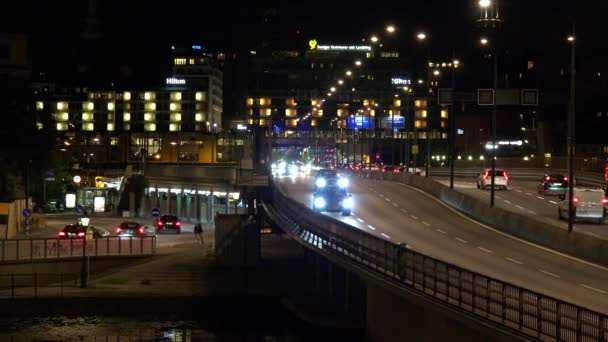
(400, 213)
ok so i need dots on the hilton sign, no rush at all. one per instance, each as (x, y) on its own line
(173, 80)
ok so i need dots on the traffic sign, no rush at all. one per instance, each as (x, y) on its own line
(27, 212)
(79, 208)
(155, 212)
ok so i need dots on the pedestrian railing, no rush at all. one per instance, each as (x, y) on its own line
(16, 285)
(47, 249)
(502, 304)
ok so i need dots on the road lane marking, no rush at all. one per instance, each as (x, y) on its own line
(553, 202)
(360, 220)
(529, 194)
(540, 197)
(520, 207)
(593, 288)
(414, 217)
(386, 236)
(404, 211)
(550, 274)
(442, 231)
(371, 227)
(498, 197)
(387, 199)
(395, 204)
(531, 212)
(509, 202)
(548, 250)
(426, 223)
(515, 261)
(485, 250)
(381, 195)
(461, 240)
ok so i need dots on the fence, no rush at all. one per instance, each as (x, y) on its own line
(16, 285)
(46, 249)
(509, 306)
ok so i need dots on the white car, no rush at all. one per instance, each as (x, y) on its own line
(484, 179)
(589, 204)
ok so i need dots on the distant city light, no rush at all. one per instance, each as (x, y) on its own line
(421, 36)
(390, 28)
(484, 3)
(484, 41)
(197, 47)
(358, 63)
(374, 39)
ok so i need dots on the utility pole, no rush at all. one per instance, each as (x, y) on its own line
(571, 131)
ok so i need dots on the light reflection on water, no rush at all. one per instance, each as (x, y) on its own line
(115, 329)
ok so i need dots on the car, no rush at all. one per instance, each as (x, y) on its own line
(588, 205)
(168, 223)
(131, 229)
(79, 231)
(332, 199)
(484, 179)
(553, 184)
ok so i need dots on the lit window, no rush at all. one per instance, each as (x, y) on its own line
(62, 116)
(290, 112)
(179, 61)
(126, 96)
(89, 126)
(87, 116)
(175, 106)
(126, 116)
(110, 126)
(150, 127)
(149, 117)
(420, 123)
(110, 116)
(200, 96)
(444, 114)
(397, 103)
(198, 117)
(39, 105)
(148, 96)
(110, 105)
(150, 106)
(191, 61)
(62, 126)
(176, 117)
(114, 141)
(176, 96)
(61, 105)
(174, 127)
(249, 101)
(127, 127)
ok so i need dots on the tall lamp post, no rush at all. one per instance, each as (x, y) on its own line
(572, 40)
(452, 136)
(422, 38)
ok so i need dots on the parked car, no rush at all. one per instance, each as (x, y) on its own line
(589, 204)
(484, 179)
(78, 231)
(168, 223)
(553, 184)
(131, 229)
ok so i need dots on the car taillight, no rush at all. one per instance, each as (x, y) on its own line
(604, 201)
(159, 223)
(81, 234)
(118, 230)
(141, 230)
(566, 179)
(396, 170)
(547, 178)
(574, 200)
(485, 175)
(178, 223)
(504, 174)
(61, 233)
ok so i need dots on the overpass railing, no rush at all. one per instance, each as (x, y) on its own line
(499, 303)
(53, 249)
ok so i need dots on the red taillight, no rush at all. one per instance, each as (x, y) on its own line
(604, 200)
(396, 170)
(141, 230)
(159, 223)
(574, 200)
(178, 223)
(504, 174)
(566, 179)
(547, 178)
(61, 233)
(118, 230)
(485, 175)
(80, 234)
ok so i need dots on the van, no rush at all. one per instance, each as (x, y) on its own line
(588, 204)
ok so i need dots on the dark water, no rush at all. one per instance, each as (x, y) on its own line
(119, 329)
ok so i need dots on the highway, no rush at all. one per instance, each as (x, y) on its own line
(400, 213)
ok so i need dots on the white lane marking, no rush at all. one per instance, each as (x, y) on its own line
(509, 202)
(395, 204)
(387, 199)
(442, 231)
(540, 197)
(360, 220)
(386, 236)
(371, 227)
(485, 250)
(426, 223)
(381, 195)
(593, 288)
(553, 202)
(520, 207)
(515, 261)
(548, 250)
(518, 190)
(404, 211)
(549, 274)
(414, 217)
(529, 194)
(498, 197)
(531, 212)
(461, 240)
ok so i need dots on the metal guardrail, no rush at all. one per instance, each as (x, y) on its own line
(582, 177)
(53, 249)
(502, 304)
(14, 285)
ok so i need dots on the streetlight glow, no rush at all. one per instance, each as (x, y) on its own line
(485, 3)
(348, 73)
(456, 62)
(421, 36)
(340, 82)
(483, 41)
(358, 63)
(333, 89)
(374, 39)
(390, 29)
(570, 38)
(436, 72)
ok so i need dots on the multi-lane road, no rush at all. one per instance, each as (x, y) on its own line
(400, 213)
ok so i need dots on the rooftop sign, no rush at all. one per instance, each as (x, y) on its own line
(315, 46)
(173, 80)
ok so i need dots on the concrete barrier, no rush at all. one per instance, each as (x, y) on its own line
(577, 244)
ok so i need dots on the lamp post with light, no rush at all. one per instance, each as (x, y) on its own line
(572, 40)
(422, 37)
(452, 136)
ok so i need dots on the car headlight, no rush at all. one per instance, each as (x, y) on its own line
(321, 182)
(293, 169)
(347, 203)
(273, 166)
(343, 182)
(319, 202)
(282, 165)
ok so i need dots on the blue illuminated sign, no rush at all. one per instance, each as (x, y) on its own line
(460, 131)
(197, 47)
(360, 122)
(399, 122)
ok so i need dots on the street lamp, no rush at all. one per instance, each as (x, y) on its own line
(572, 40)
(452, 118)
(422, 38)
